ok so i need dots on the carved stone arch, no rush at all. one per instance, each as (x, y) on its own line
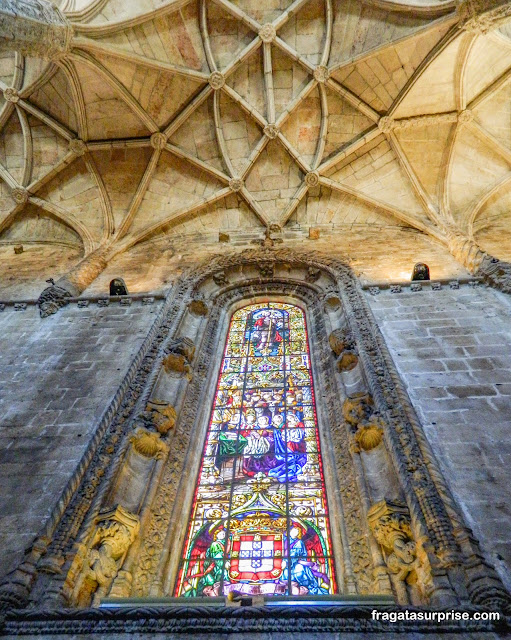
(120, 525)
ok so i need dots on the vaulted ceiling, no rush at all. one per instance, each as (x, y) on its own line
(200, 116)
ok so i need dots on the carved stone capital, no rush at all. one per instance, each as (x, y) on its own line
(159, 415)
(216, 80)
(180, 353)
(357, 408)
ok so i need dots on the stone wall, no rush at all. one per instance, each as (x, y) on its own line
(453, 349)
(57, 378)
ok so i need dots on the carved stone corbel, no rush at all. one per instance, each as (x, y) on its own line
(180, 353)
(116, 530)
(148, 444)
(158, 415)
(343, 345)
(357, 408)
(52, 299)
(198, 307)
(369, 435)
(390, 524)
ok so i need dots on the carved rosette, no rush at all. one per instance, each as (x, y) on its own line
(267, 32)
(321, 74)
(271, 131)
(236, 184)
(216, 80)
(20, 195)
(158, 140)
(77, 146)
(386, 124)
(312, 179)
(11, 95)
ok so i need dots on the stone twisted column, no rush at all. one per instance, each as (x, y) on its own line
(479, 263)
(482, 16)
(35, 28)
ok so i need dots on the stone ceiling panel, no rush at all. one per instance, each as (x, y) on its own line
(274, 180)
(435, 91)
(11, 148)
(176, 185)
(345, 123)
(108, 115)
(55, 98)
(325, 208)
(289, 79)
(172, 38)
(248, 81)
(425, 148)
(359, 27)
(240, 133)
(121, 171)
(495, 114)
(302, 127)
(48, 148)
(488, 59)
(305, 31)
(378, 78)
(35, 225)
(377, 174)
(263, 10)
(75, 194)
(197, 136)
(228, 36)
(161, 94)
(476, 168)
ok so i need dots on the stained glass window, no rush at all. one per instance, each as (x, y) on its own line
(259, 521)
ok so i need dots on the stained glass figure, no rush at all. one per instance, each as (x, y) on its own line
(259, 521)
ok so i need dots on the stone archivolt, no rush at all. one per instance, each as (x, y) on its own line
(415, 539)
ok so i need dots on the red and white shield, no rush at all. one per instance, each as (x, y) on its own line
(256, 557)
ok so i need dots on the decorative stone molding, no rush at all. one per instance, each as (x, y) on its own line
(148, 444)
(267, 32)
(481, 16)
(20, 195)
(11, 95)
(77, 146)
(35, 28)
(312, 179)
(216, 80)
(198, 307)
(414, 122)
(116, 529)
(158, 140)
(271, 131)
(321, 74)
(236, 184)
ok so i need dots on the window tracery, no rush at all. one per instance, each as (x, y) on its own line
(259, 522)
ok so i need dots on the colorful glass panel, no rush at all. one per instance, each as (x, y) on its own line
(259, 521)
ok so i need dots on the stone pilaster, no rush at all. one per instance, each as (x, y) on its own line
(35, 28)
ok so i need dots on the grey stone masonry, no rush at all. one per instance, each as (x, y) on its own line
(57, 377)
(452, 348)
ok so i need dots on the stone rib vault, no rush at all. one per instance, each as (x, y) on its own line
(144, 119)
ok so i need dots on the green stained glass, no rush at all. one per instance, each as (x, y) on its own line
(259, 521)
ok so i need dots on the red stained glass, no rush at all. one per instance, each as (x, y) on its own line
(259, 521)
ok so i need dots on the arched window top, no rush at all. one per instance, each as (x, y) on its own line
(259, 522)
